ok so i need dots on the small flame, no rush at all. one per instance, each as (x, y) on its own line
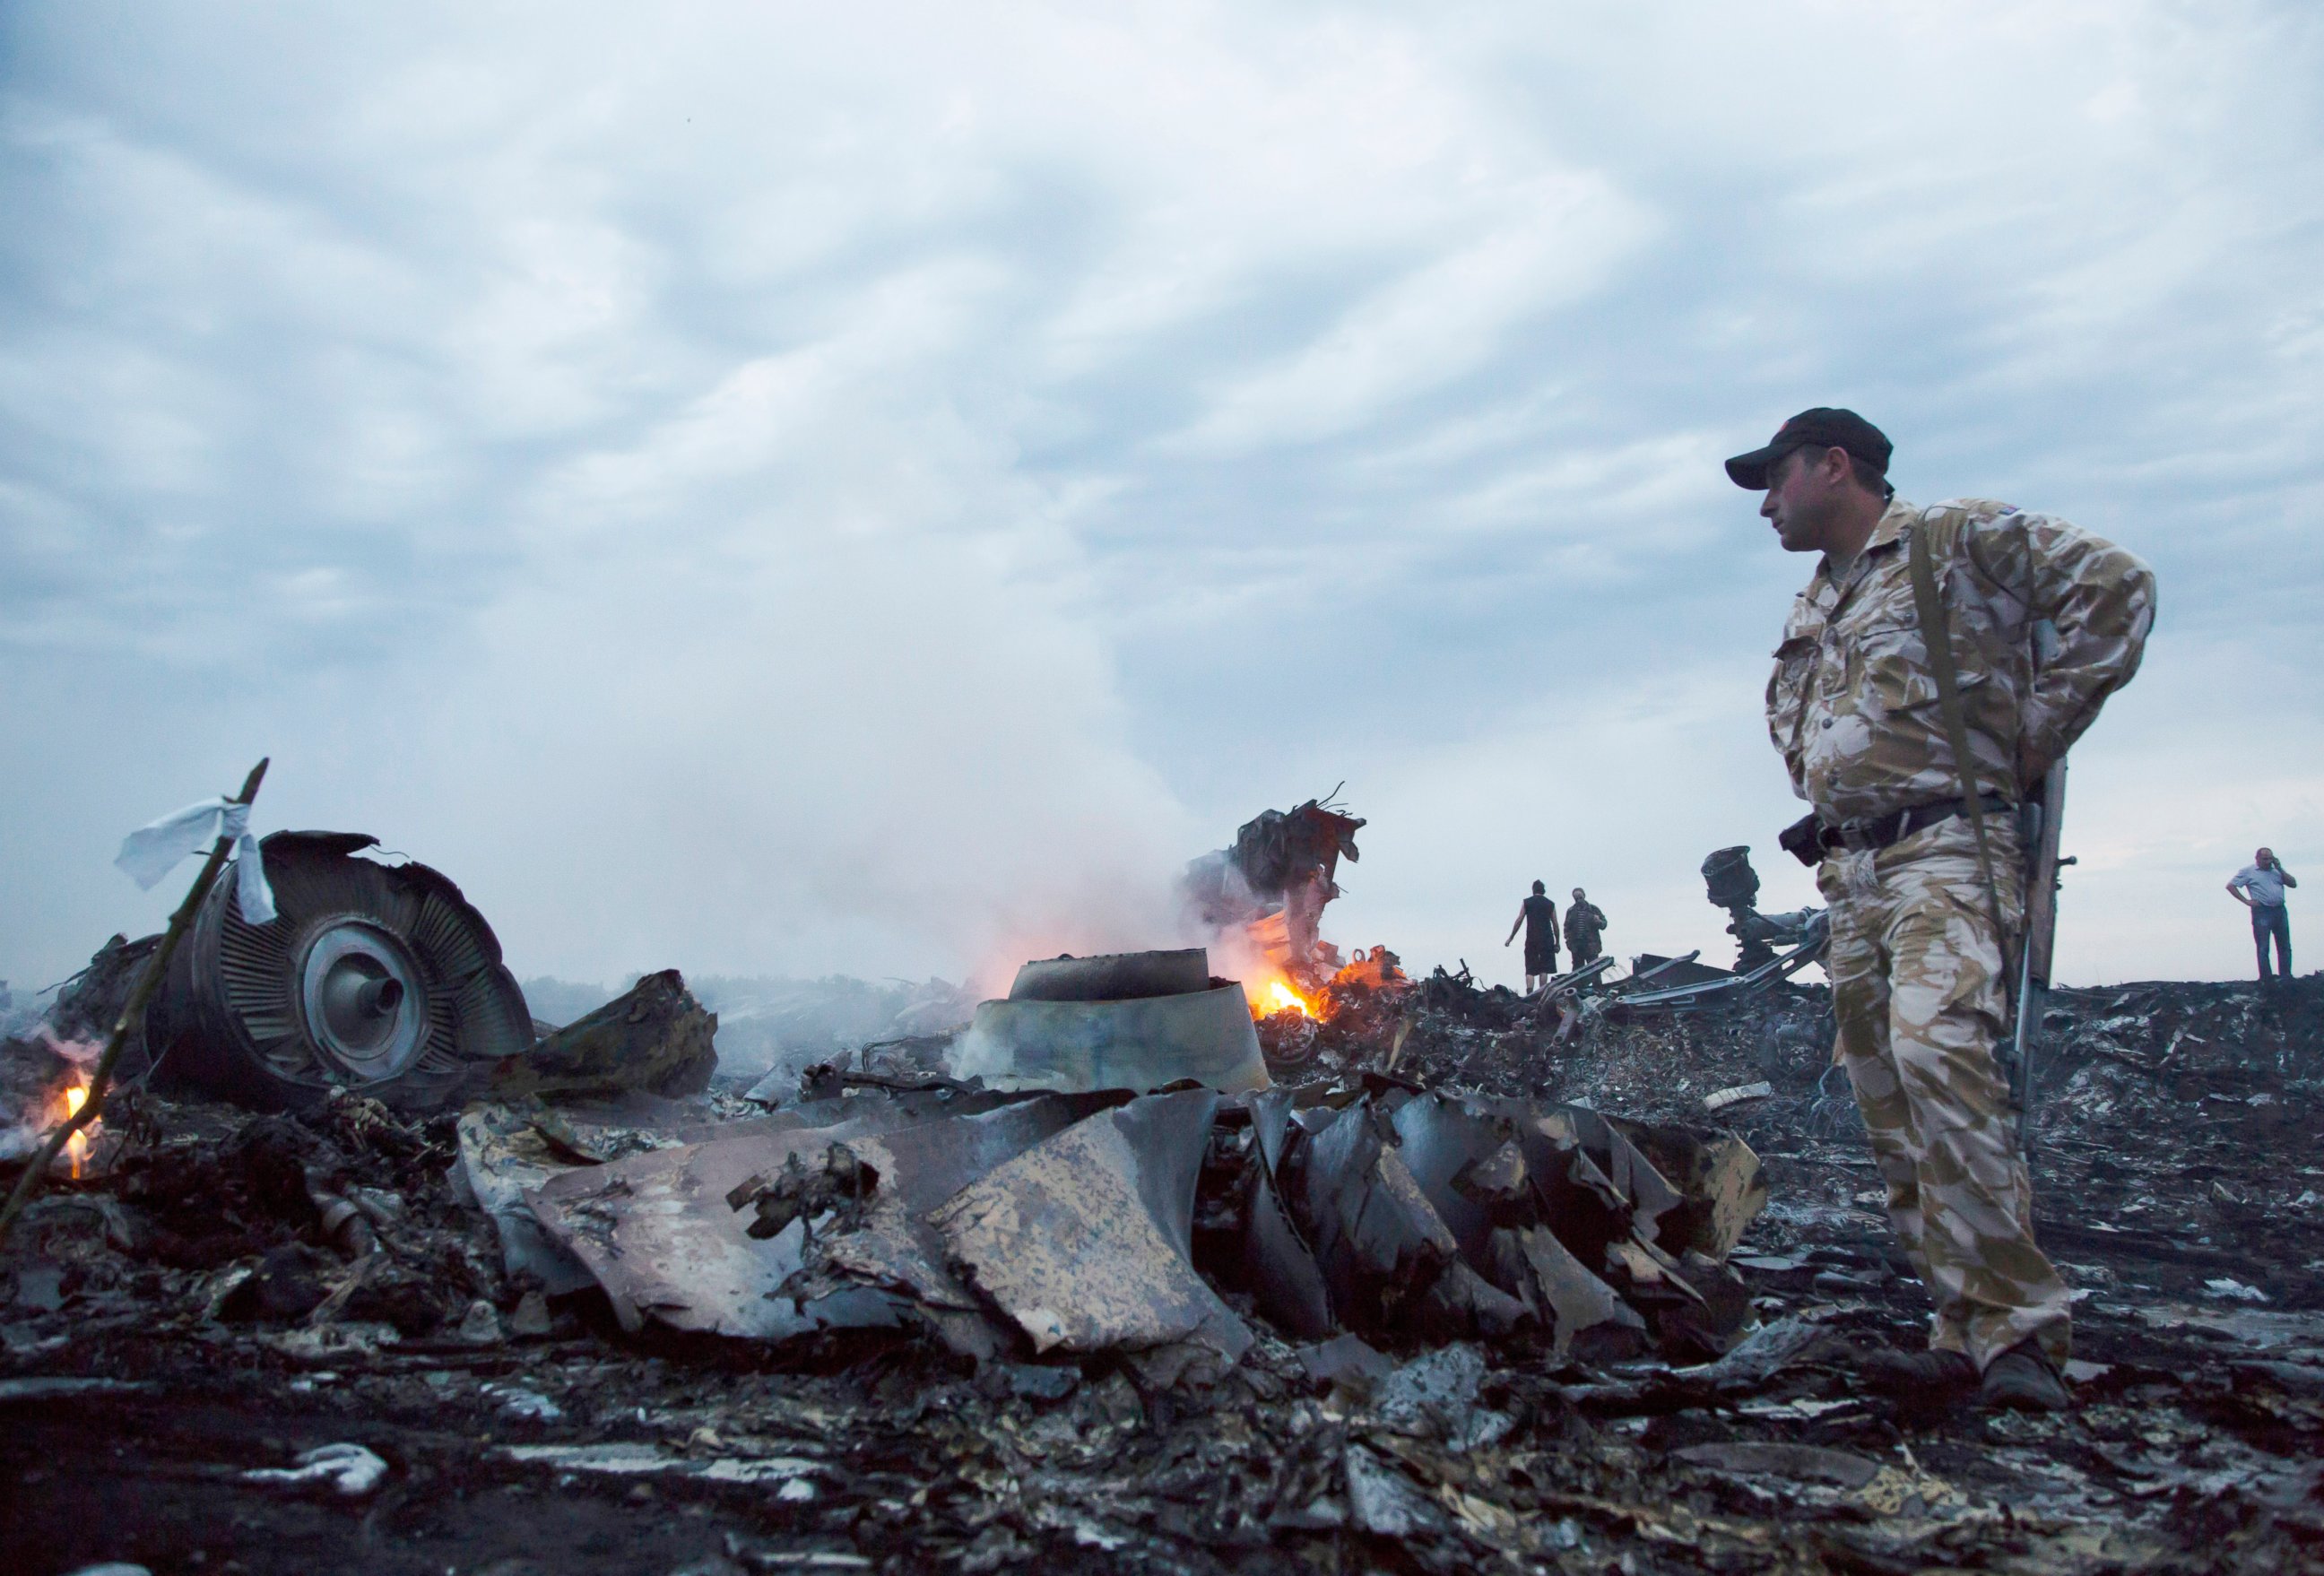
(76, 1095)
(1280, 997)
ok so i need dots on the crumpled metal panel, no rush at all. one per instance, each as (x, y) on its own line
(1066, 1222)
(1270, 1127)
(654, 1037)
(1140, 1043)
(1629, 1173)
(1085, 1239)
(1441, 1137)
(656, 1232)
(1506, 1185)
(1722, 1184)
(920, 1167)
(509, 1149)
(1578, 1306)
(1381, 1244)
(502, 1158)
(1286, 1284)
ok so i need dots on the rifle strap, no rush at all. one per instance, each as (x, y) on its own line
(1937, 636)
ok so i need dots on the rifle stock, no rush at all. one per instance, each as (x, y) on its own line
(2046, 809)
(2042, 876)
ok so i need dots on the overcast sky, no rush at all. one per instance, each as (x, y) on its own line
(772, 488)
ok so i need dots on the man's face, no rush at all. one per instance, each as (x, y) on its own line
(1801, 499)
(1577, 894)
(2265, 856)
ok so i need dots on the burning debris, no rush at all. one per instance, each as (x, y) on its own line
(1130, 1020)
(1272, 885)
(1420, 1323)
(1139, 1269)
(856, 1212)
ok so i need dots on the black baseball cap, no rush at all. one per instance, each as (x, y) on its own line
(1821, 428)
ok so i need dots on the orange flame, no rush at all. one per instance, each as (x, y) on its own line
(77, 1146)
(1277, 996)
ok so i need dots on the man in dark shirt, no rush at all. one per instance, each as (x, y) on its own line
(1538, 915)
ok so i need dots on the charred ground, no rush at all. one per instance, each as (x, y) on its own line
(160, 1340)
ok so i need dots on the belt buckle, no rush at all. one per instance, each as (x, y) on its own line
(1869, 836)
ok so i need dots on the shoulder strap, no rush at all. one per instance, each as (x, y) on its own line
(1937, 636)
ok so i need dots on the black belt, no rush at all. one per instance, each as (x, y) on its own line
(1874, 833)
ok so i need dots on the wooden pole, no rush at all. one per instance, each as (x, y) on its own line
(134, 1012)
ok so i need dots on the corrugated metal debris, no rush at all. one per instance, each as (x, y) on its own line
(1131, 1020)
(1454, 1316)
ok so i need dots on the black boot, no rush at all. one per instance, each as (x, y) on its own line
(1928, 1376)
(2023, 1379)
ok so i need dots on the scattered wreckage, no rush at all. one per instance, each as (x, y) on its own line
(1040, 1192)
(1683, 983)
(203, 1331)
(1371, 1281)
(1091, 1203)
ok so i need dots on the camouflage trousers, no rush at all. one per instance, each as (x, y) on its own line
(1921, 1000)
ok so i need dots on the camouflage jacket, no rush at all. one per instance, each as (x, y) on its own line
(1852, 703)
(1585, 922)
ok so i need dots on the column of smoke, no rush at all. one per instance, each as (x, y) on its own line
(808, 676)
(1151, 913)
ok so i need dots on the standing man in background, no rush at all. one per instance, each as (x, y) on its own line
(1538, 915)
(1586, 923)
(1913, 715)
(2259, 887)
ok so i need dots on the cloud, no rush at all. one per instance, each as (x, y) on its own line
(1431, 325)
(765, 490)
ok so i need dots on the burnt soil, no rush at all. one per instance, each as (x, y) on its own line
(159, 1335)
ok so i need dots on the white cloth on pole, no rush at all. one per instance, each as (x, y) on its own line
(153, 851)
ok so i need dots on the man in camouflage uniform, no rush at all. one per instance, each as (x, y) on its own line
(1585, 922)
(1920, 970)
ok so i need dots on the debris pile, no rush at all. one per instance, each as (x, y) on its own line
(1084, 1217)
(1657, 1066)
(1269, 889)
(1417, 1301)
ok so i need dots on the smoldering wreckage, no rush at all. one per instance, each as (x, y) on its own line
(1321, 1268)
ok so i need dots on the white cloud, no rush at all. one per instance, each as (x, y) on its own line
(876, 489)
(1559, 239)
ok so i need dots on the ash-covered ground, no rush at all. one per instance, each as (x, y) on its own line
(161, 1342)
